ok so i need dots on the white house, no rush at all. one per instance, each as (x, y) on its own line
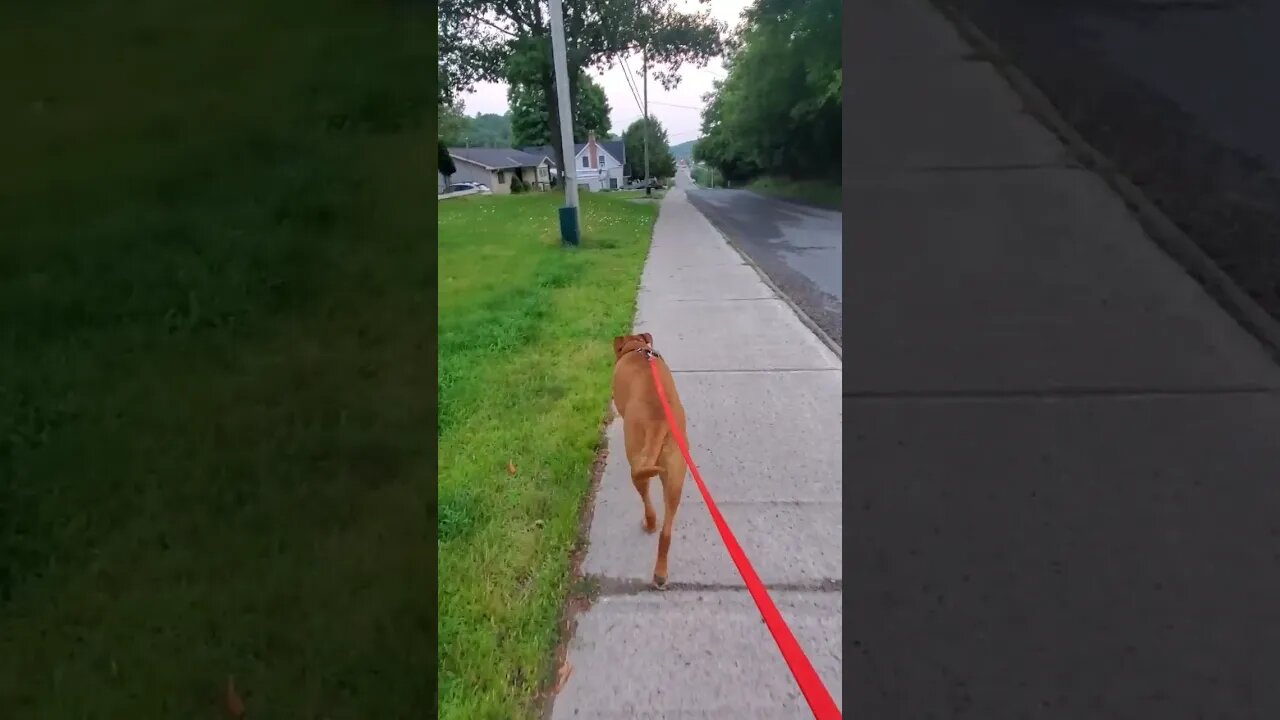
(599, 164)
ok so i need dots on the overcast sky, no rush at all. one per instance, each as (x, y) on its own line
(679, 110)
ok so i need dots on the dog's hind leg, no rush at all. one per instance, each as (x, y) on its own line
(650, 522)
(638, 455)
(673, 471)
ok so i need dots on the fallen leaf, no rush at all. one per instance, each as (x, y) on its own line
(235, 706)
(511, 468)
(563, 677)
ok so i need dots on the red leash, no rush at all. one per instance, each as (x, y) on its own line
(815, 693)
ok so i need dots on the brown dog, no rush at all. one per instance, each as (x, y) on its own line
(650, 448)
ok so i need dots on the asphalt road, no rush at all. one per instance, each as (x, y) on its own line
(797, 246)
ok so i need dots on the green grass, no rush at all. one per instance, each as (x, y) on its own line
(525, 362)
(822, 193)
(216, 391)
(656, 194)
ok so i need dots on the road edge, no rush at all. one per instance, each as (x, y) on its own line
(1163, 231)
(807, 321)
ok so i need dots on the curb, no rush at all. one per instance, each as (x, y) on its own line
(804, 317)
(764, 277)
(1163, 231)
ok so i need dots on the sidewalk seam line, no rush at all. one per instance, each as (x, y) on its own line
(1058, 394)
(740, 371)
(622, 587)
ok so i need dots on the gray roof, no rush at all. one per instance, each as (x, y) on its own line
(496, 158)
(616, 148)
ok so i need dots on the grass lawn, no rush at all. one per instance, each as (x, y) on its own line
(656, 194)
(822, 193)
(525, 362)
(216, 390)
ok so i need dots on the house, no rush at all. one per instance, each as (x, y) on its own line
(496, 167)
(599, 163)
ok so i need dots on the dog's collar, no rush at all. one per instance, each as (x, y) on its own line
(646, 350)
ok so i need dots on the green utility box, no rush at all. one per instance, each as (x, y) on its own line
(569, 226)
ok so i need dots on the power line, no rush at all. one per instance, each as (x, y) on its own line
(626, 73)
(674, 105)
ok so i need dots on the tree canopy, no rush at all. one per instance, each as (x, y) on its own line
(451, 123)
(778, 110)
(530, 124)
(444, 161)
(489, 130)
(482, 130)
(661, 163)
(510, 41)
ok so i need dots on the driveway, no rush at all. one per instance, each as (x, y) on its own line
(797, 246)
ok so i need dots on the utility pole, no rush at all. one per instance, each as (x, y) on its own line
(568, 171)
(648, 187)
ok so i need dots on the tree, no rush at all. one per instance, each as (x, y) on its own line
(444, 161)
(779, 108)
(451, 123)
(661, 162)
(489, 130)
(510, 40)
(590, 111)
(529, 123)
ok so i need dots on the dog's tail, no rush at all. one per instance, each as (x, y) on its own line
(650, 452)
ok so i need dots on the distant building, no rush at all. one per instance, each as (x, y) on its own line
(599, 164)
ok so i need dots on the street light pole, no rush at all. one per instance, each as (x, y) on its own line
(568, 171)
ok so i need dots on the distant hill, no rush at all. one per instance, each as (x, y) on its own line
(683, 151)
(488, 130)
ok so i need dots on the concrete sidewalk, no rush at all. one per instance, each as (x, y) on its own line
(762, 395)
(1063, 455)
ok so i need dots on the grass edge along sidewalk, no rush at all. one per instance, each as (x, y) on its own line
(524, 371)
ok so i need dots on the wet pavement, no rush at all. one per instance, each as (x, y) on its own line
(1174, 93)
(797, 246)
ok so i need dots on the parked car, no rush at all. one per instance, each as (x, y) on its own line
(480, 188)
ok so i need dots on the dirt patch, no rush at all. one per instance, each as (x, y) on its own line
(582, 590)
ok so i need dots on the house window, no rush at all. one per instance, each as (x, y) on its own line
(502, 178)
(585, 161)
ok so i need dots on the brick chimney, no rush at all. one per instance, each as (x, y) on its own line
(591, 149)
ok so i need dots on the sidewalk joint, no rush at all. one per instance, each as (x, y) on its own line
(764, 371)
(721, 300)
(614, 587)
(995, 167)
(1068, 393)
